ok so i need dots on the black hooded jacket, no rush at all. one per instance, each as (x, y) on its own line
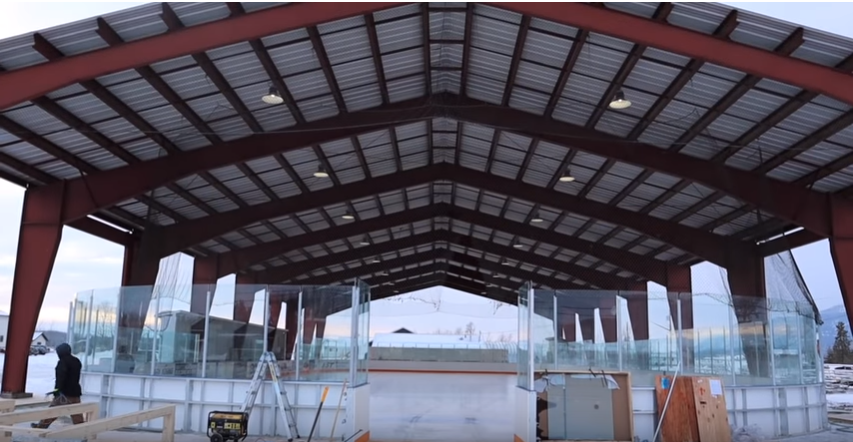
(68, 372)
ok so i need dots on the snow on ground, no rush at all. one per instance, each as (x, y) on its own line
(40, 374)
(839, 399)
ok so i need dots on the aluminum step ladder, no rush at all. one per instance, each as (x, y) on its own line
(268, 362)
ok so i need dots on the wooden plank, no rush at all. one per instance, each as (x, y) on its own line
(88, 409)
(26, 430)
(711, 414)
(7, 405)
(679, 423)
(91, 429)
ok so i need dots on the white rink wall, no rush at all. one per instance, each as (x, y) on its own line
(195, 398)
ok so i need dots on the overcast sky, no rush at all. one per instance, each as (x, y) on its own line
(86, 262)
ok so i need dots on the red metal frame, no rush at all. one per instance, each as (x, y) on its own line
(789, 201)
(841, 248)
(100, 190)
(38, 243)
(666, 37)
(28, 83)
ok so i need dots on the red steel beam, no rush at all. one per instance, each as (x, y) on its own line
(645, 267)
(714, 248)
(289, 272)
(38, 243)
(717, 249)
(99, 190)
(788, 201)
(752, 60)
(180, 236)
(241, 259)
(234, 261)
(28, 83)
(468, 260)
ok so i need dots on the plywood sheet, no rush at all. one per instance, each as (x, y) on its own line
(679, 423)
(711, 415)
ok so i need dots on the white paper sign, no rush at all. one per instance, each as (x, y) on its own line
(716, 387)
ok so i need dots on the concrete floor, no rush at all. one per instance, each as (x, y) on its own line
(422, 407)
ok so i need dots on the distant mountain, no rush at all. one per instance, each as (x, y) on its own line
(831, 316)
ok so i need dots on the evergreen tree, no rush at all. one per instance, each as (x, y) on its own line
(842, 349)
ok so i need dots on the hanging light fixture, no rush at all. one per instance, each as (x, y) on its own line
(375, 260)
(272, 97)
(321, 172)
(348, 216)
(518, 245)
(365, 241)
(506, 263)
(567, 177)
(619, 101)
(536, 218)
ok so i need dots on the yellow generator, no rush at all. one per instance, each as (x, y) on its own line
(223, 426)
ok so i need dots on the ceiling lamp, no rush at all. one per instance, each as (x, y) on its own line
(619, 101)
(273, 97)
(567, 177)
(348, 216)
(365, 241)
(396, 291)
(536, 218)
(506, 263)
(375, 260)
(321, 172)
(518, 245)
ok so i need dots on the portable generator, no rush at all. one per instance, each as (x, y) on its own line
(224, 426)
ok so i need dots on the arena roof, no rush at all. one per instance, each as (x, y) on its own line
(439, 125)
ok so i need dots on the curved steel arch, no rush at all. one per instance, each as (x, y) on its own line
(792, 202)
(289, 273)
(222, 264)
(717, 249)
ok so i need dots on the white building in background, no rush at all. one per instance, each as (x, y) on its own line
(40, 339)
(4, 329)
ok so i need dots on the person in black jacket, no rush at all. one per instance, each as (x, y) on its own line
(67, 389)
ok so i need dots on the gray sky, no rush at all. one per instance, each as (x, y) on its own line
(85, 262)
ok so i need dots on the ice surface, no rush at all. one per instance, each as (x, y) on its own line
(442, 407)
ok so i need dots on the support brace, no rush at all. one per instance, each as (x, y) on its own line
(205, 276)
(749, 299)
(680, 290)
(139, 274)
(38, 243)
(841, 248)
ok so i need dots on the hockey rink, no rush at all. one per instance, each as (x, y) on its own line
(409, 407)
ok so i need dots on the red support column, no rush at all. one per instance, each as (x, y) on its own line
(638, 310)
(139, 274)
(749, 298)
(205, 276)
(637, 299)
(587, 320)
(607, 315)
(679, 289)
(244, 301)
(38, 241)
(841, 248)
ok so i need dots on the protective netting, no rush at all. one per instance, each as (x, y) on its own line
(784, 284)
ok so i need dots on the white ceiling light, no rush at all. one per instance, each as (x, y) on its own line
(365, 241)
(536, 218)
(321, 172)
(567, 177)
(273, 97)
(518, 245)
(619, 101)
(348, 216)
